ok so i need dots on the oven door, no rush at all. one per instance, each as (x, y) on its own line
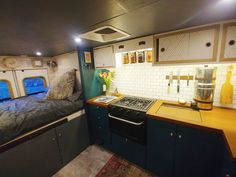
(133, 130)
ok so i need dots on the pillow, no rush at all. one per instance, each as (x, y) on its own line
(63, 87)
(74, 97)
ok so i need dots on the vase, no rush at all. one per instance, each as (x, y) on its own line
(108, 91)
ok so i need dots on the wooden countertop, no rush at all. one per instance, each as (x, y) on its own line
(104, 105)
(218, 119)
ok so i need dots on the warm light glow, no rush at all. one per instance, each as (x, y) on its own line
(227, 0)
(38, 53)
(78, 40)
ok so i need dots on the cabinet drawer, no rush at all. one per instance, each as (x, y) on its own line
(129, 150)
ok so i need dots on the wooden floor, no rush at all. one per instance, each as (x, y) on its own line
(87, 164)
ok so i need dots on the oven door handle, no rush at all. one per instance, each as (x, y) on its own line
(123, 120)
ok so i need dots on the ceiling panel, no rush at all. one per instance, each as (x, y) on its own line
(49, 26)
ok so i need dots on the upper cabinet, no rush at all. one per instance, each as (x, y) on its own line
(196, 45)
(104, 57)
(228, 47)
(134, 44)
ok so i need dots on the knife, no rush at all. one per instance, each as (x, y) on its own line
(178, 82)
(188, 80)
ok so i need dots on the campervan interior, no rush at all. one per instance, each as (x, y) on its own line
(118, 88)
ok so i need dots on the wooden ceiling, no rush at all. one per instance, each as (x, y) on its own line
(27, 26)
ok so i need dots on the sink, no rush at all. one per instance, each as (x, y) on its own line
(179, 112)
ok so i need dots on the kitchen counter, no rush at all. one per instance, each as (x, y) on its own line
(219, 118)
(104, 105)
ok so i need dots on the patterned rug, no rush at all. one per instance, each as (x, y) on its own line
(118, 167)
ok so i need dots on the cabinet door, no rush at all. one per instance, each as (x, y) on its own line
(73, 138)
(99, 126)
(38, 157)
(160, 147)
(104, 57)
(129, 150)
(201, 45)
(228, 51)
(173, 48)
(195, 152)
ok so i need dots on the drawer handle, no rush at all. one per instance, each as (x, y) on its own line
(171, 134)
(208, 44)
(231, 42)
(180, 136)
(227, 175)
(53, 139)
(59, 134)
(121, 46)
(142, 43)
(123, 120)
(163, 49)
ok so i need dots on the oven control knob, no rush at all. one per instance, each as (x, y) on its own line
(121, 110)
(137, 114)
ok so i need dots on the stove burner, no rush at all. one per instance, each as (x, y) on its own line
(136, 103)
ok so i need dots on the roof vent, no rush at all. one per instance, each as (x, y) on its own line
(105, 34)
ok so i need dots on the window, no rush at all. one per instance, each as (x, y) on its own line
(5, 90)
(34, 85)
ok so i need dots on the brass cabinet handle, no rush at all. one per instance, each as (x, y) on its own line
(163, 49)
(208, 44)
(231, 42)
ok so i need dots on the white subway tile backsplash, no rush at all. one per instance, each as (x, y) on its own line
(150, 81)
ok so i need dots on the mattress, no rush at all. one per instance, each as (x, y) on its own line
(24, 114)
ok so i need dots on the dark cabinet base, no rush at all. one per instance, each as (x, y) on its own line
(38, 157)
(129, 150)
(45, 154)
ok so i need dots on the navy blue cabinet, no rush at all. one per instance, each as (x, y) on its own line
(72, 138)
(129, 150)
(196, 152)
(160, 147)
(99, 126)
(181, 151)
(39, 157)
(229, 164)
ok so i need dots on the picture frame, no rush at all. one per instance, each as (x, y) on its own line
(87, 57)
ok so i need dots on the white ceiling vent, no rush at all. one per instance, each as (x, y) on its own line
(105, 34)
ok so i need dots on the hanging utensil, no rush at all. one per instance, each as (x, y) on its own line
(178, 82)
(226, 94)
(188, 80)
(170, 81)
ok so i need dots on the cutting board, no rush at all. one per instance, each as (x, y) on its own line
(226, 94)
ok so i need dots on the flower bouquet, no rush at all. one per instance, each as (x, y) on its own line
(106, 78)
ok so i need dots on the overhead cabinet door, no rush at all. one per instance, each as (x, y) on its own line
(228, 50)
(201, 45)
(174, 47)
(197, 45)
(104, 57)
(134, 44)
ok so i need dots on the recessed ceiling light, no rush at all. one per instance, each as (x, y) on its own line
(227, 0)
(38, 53)
(78, 40)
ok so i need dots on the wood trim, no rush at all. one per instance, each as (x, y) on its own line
(223, 42)
(215, 47)
(9, 87)
(42, 77)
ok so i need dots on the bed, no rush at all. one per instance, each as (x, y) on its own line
(25, 114)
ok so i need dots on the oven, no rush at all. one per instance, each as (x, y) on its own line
(130, 124)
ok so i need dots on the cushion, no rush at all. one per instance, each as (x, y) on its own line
(63, 87)
(75, 97)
